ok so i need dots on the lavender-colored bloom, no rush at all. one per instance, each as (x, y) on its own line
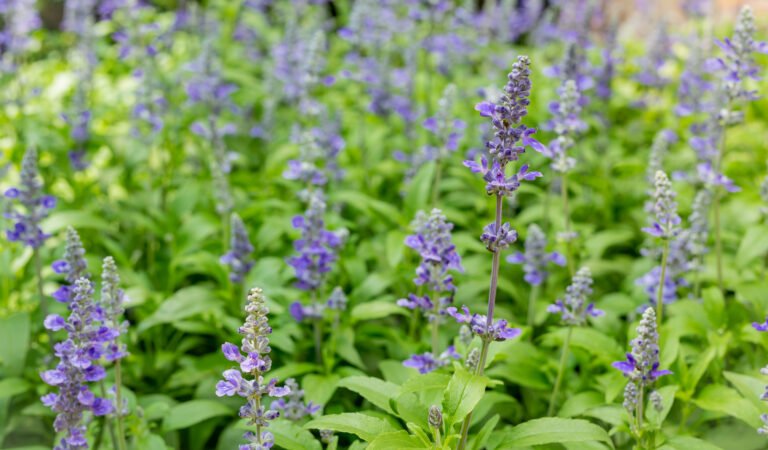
(317, 249)
(337, 300)
(642, 364)
(694, 86)
(576, 67)
(606, 71)
(566, 123)
(111, 303)
(678, 264)
(698, 220)
(238, 258)
(659, 150)
(739, 64)
(427, 362)
(659, 51)
(21, 19)
(498, 331)
(306, 313)
(535, 258)
(666, 224)
(760, 326)
(432, 239)
(696, 9)
(292, 406)
(713, 179)
(576, 308)
(496, 240)
(73, 266)
(33, 205)
(630, 398)
(78, 364)
(319, 150)
(253, 365)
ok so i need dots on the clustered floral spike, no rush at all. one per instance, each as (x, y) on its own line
(576, 67)
(73, 266)
(698, 222)
(510, 136)
(432, 239)
(21, 18)
(712, 179)
(292, 406)
(317, 249)
(565, 123)
(34, 205)
(536, 258)
(428, 362)
(576, 308)
(238, 258)
(319, 150)
(606, 71)
(254, 365)
(694, 85)
(87, 334)
(112, 304)
(659, 51)
(667, 222)
(642, 364)
(739, 64)
(337, 300)
(678, 264)
(659, 150)
(498, 331)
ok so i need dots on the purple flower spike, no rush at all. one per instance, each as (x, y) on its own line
(292, 406)
(33, 205)
(535, 258)
(642, 364)
(249, 380)
(239, 256)
(761, 326)
(574, 309)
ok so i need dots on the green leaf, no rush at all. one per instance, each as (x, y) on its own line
(576, 404)
(688, 443)
(376, 309)
(753, 245)
(185, 302)
(80, 220)
(14, 335)
(13, 386)
(396, 440)
(319, 388)
(376, 391)
(478, 443)
(186, 414)
(361, 425)
(551, 430)
(464, 391)
(345, 347)
(714, 306)
(394, 247)
(750, 387)
(291, 436)
(726, 401)
(419, 189)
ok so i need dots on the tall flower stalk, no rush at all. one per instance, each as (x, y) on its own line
(642, 370)
(566, 124)
(665, 226)
(736, 67)
(510, 140)
(432, 239)
(574, 310)
(33, 207)
(249, 379)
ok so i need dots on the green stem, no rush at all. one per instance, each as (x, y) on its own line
(567, 215)
(438, 441)
(318, 332)
(468, 420)
(718, 243)
(436, 182)
(660, 292)
(40, 295)
(560, 371)
(532, 307)
(119, 407)
(435, 325)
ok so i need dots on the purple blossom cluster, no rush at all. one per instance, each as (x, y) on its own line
(79, 354)
(659, 52)
(292, 406)
(566, 123)
(432, 239)
(535, 258)
(248, 380)
(667, 223)
(478, 324)
(575, 308)
(21, 18)
(316, 249)
(576, 67)
(642, 364)
(73, 266)
(510, 136)
(319, 150)
(238, 258)
(33, 206)
(428, 362)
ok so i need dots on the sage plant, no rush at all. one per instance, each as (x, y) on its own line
(642, 370)
(432, 239)
(735, 68)
(574, 311)
(665, 226)
(33, 206)
(292, 406)
(511, 137)
(249, 380)
(73, 266)
(535, 260)
(238, 258)
(566, 123)
(79, 355)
